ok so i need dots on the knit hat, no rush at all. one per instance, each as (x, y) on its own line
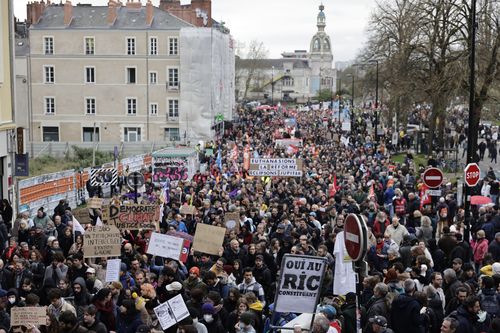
(195, 270)
(495, 268)
(379, 320)
(207, 308)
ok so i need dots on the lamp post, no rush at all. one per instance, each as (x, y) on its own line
(473, 122)
(352, 99)
(272, 86)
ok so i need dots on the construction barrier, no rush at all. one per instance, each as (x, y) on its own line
(47, 190)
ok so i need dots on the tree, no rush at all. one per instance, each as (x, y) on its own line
(256, 52)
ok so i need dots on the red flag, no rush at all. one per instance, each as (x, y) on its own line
(371, 194)
(425, 198)
(333, 187)
(234, 153)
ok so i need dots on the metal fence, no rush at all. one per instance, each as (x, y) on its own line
(124, 149)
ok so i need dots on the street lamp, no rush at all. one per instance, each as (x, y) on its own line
(473, 122)
(340, 95)
(272, 86)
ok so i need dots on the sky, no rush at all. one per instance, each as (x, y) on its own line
(282, 25)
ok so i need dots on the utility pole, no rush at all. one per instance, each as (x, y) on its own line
(272, 86)
(340, 96)
(376, 105)
(473, 122)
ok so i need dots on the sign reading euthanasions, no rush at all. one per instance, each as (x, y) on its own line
(275, 167)
(300, 283)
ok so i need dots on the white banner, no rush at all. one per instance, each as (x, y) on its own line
(165, 246)
(300, 284)
(171, 312)
(113, 270)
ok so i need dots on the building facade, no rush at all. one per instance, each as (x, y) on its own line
(297, 76)
(105, 73)
(7, 125)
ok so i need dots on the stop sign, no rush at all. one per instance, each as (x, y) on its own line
(433, 177)
(472, 173)
(355, 237)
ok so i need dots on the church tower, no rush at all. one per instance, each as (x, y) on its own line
(321, 58)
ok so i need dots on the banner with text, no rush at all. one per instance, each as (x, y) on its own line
(165, 246)
(132, 217)
(299, 283)
(275, 167)
(34, 315)
(102, 241)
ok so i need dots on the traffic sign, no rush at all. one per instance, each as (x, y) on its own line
(355, 237)
(135, 179)
(433, 177)
(472, 174)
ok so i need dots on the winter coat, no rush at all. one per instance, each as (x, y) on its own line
(479, 249)
(466, 320)
(405, 315)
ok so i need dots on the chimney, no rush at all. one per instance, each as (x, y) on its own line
(34, 11)
(135, 5)
(111, 12)
(68, 13)
(149, 13)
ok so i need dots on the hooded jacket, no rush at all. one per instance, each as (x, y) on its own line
(405, 315)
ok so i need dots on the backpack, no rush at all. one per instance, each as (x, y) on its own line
(489, 303)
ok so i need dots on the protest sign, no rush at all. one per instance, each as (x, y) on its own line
(165, 246)
(113, 270)
(187, 210)
(132, 217)
(185, 245)
(95, 203)
(299, 283)
(288, 142)
(34, 315)
(232, 221)
(208, 238)
(81, 215)
(275, 167)
(102, 241)
(171, 312)
(169, 168)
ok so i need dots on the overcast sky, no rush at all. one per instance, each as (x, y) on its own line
(283, 25)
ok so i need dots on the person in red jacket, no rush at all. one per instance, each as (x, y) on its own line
(479, 249)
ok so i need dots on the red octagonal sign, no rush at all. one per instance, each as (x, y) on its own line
(472, 174)
(433, 177)
(355, 237)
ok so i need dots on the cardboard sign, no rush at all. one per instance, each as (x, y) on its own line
(187, 210)
(300, 283)
(171, 312)
(113, 270)
(165, 246)
(82, 215)
(103, 241)
(132, 217)
(208, 238)
(30, 314)
(95, 203)
(232, 221)
(275, 167)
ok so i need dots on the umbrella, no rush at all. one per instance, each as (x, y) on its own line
(479, 200)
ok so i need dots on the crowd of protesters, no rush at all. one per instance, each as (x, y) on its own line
(423, 276)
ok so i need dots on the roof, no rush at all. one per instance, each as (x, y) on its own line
(22, 47)
(268, 63)
(95, 17)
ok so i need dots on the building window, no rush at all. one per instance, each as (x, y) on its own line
(173, 46)
(173, 108)
(288, 81)
(89, 74)
(89, 45)
(153, 77)
(316, 46)
(88, 134)
(48, 45)
(131, 45)
(48, 74)
(153, 109)
(171, 134)
(153, 46)
(131, 106)
(173, 78)
(131, 78)
(90, 105)
(50, 134)
(132, 134)
(50, 105)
